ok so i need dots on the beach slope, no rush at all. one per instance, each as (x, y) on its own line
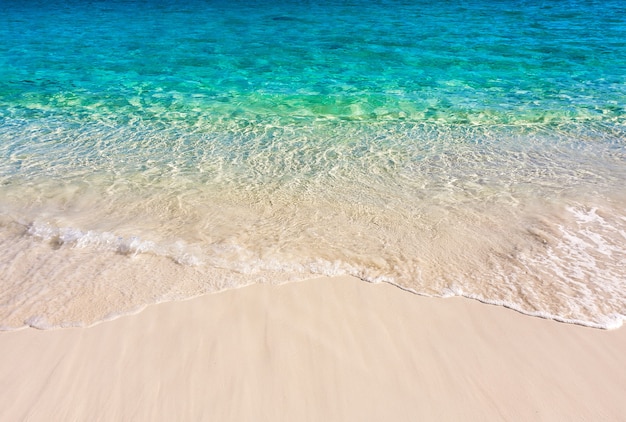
(335, 349)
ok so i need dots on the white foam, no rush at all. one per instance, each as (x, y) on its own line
(606, 322)
(106, 241)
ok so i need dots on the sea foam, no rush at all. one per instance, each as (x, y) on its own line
(130, 246)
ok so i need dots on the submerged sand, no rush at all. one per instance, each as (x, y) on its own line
(333, 349)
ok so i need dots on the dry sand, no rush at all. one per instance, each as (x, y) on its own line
(323, 350)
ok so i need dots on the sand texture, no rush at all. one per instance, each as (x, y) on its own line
(332, 349)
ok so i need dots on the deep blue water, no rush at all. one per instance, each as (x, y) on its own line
(462, 62)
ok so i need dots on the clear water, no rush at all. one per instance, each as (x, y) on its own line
(154, 151)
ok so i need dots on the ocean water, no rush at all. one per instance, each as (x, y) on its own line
(154, 150)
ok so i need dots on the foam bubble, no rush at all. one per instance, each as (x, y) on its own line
(129, 246)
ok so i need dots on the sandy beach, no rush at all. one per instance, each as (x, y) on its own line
(335, 349)
(331, 211)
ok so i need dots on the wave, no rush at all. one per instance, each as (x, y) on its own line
(130, 246)
(571, 262)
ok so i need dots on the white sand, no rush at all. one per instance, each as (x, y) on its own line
(322, 350)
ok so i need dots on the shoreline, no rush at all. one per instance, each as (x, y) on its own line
(323, 349)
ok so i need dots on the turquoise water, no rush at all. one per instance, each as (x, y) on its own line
(154, 151)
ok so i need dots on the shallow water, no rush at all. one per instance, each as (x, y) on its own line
(155, 152)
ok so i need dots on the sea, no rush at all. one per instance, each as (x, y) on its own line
(156, 150)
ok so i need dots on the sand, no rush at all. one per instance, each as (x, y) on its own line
(332, 349)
